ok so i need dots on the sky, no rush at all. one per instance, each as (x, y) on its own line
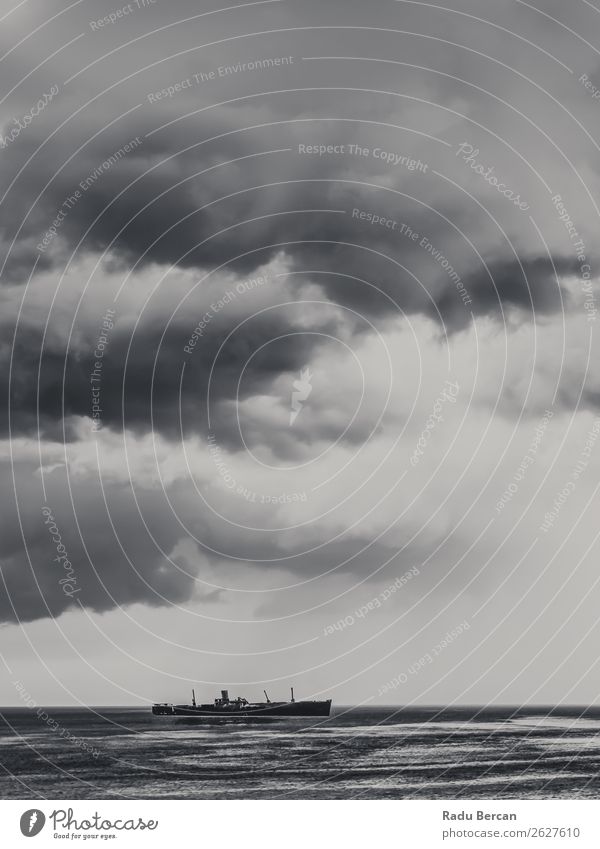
(298, 351)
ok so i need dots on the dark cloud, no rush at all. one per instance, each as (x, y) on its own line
(141, 379)
(111, 561)
(215, 181)
(116, 545)
(149, 381)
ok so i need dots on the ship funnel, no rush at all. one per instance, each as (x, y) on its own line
(225, 695)
(292, 689)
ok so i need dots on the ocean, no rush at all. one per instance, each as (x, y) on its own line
(357, 753)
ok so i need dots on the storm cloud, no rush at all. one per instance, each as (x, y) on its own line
(270, 338)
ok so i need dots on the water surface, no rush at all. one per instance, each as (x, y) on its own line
(364, 753)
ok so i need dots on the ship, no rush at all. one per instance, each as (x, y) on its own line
(239, 707)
